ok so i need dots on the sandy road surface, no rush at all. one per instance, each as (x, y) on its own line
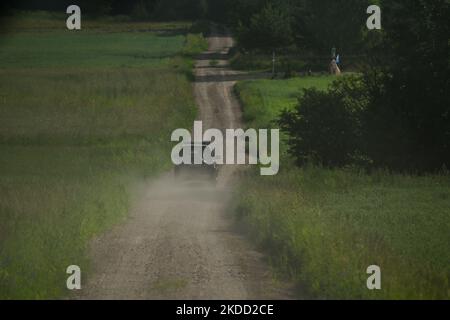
(179, 241)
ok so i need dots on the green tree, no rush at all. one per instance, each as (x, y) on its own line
(268, 29)
(408, 119)
(322, 24)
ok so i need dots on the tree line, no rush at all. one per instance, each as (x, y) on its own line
(258, 24)
(139, 9)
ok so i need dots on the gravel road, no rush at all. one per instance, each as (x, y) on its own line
(179, 241)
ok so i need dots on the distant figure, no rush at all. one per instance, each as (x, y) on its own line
(334, 69)
(338, 59)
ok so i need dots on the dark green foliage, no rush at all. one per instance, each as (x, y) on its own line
(240, 12)
(308, 24)
(408, 118)
(326, 23)
(138, 9)
(402, 99)
(268, 29)
(325, 126)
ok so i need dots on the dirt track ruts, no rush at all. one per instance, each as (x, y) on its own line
(179, 241)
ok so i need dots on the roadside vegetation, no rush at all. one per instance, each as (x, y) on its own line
(84, 116)
(364, 174)
(323, 227)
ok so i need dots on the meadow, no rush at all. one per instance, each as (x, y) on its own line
(265, 99)
(84, 116)
(323, 227)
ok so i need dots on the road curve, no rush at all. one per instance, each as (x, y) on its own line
(179, 241)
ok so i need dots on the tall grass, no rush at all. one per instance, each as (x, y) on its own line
(90, 104)
(83, 116)
(324, 227)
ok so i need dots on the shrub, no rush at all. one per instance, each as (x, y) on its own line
(325, 126)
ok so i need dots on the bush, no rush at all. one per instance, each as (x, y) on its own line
(325, 126)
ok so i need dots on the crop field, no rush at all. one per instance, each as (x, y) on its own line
(323, 227)
(82, 116)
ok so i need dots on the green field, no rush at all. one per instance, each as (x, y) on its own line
(264, 99)
(84, 116)
(323, 227)
(88, 49)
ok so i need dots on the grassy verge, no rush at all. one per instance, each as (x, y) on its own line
(324, 227)
(83, 116)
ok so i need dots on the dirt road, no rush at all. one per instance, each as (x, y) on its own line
(179, 242)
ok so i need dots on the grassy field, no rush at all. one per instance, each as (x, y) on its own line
(323, 228)
(83, 116)
(42, 21)
(265, 99)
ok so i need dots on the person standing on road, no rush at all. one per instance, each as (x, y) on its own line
(335, 60)
(334, 69)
